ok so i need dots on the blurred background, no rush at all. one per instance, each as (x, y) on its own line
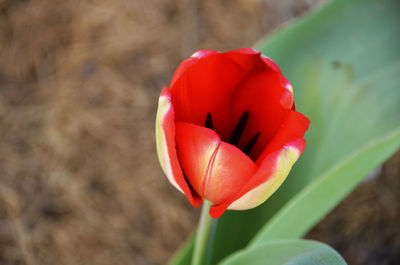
(79, 177)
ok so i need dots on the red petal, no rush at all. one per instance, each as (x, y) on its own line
(287, 98)
(271, 64)
(261, 95)
(186, 64)
(203, 53)
(253, 61)
(289, 135)
(271, 174)
(231, 171)
(205, 87)
(248, 59)
(215, 169)
(293, 127)
(196, 147)
(165, 135)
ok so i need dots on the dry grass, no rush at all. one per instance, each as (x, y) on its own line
(79, 81)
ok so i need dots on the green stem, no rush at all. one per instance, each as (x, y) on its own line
(202, 247)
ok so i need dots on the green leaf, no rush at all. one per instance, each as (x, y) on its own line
(288, 252)
(317, 199)
(344, 64)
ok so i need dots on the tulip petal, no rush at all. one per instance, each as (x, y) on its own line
(277, 166)
(271, 64)
(196, 147)
(206, 87)
(231, 171)
(203, 53)
(287, 97)
(261, 95)
(252, 60)
(167, 155)
(292, 128)
(248, 59)
(274, 165)
(186, 64)
(216, 170)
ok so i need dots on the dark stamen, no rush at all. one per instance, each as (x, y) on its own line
(250, 144)
(237, 133)
(209, 122)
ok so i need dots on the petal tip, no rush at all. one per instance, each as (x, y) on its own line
(165, 92)
(247, 51)
(216, 211)
(286, 100)
(196, 202)
(270, 63)
(289, 87)
(203, 53)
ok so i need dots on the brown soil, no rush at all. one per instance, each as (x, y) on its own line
(79, 178)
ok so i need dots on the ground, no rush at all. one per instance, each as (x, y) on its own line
(79, 178)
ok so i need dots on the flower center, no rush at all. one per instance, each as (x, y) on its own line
(237, 132)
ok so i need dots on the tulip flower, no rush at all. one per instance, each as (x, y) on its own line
(227, 129)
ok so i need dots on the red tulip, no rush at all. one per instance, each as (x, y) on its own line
(227, 130)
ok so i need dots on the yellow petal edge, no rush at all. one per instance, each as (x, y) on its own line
(253, 198)
(164, 106)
